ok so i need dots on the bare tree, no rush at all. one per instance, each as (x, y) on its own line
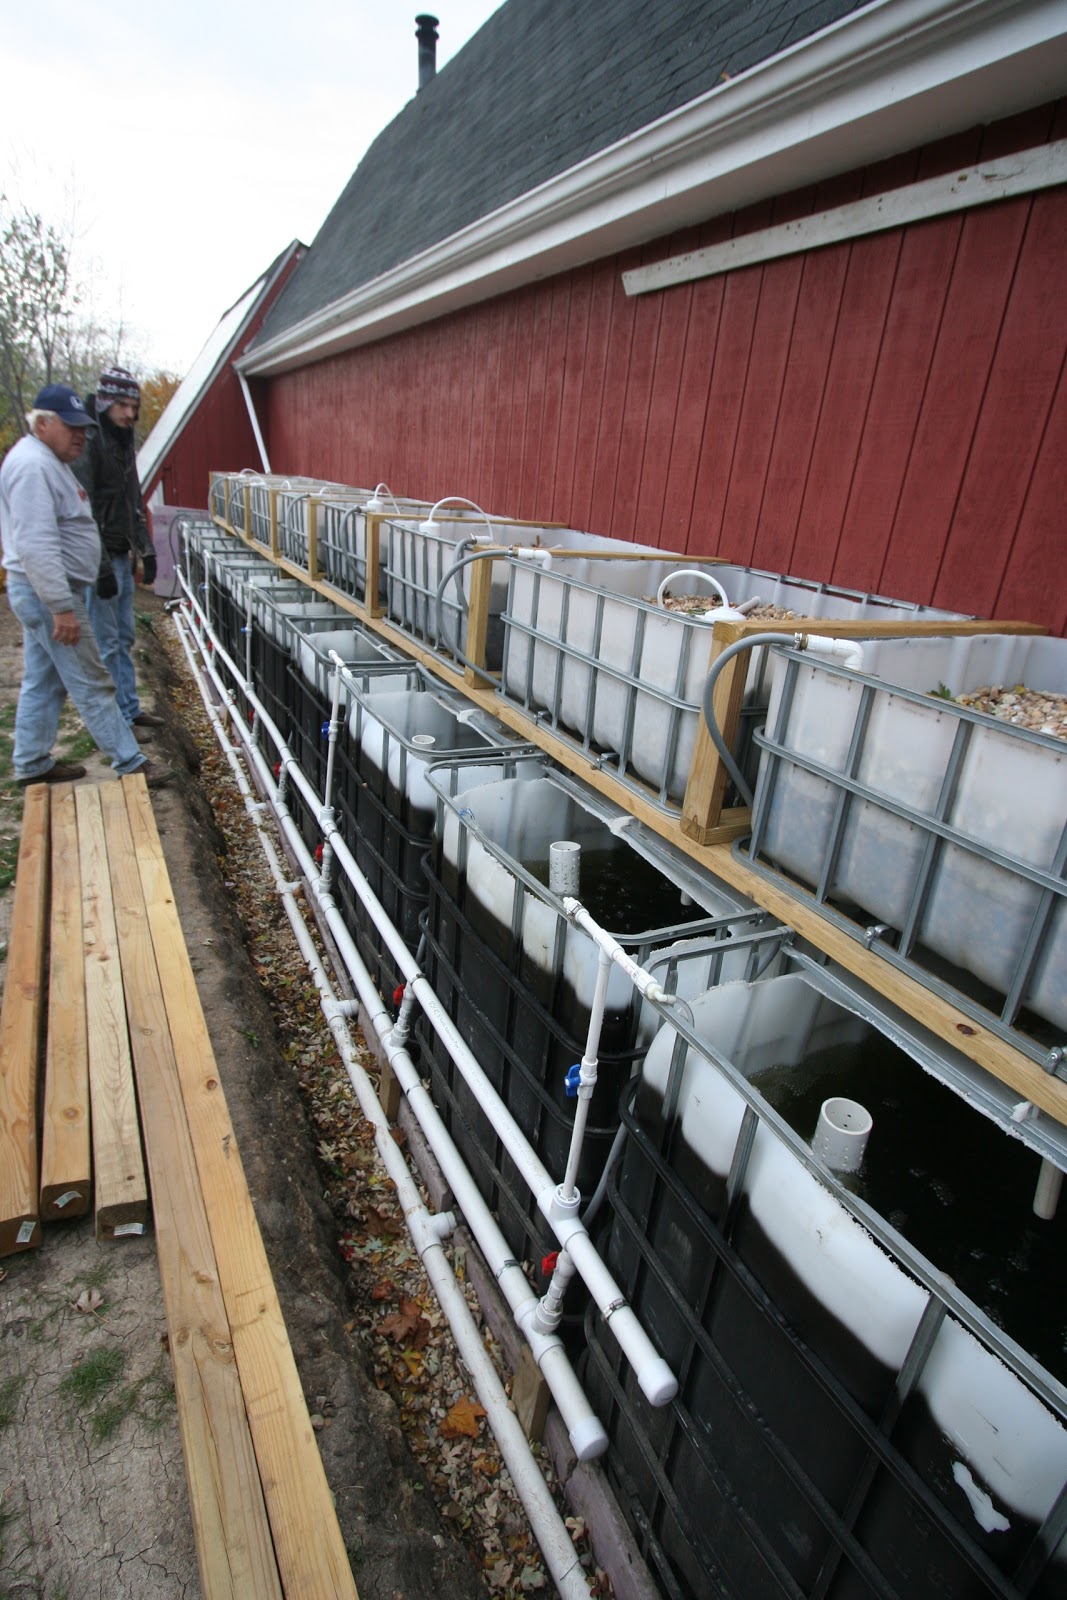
(38, 301)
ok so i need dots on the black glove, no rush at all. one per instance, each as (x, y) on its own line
(148, 566)
(107, 585)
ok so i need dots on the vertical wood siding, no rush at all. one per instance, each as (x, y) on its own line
(887, 414)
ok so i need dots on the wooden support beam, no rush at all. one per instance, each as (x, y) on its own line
(234, 1548)
(121, 1192)
(478, 619)
(530, 1395)
(20, 1030)
(372, 606)
(310, 1550)
(706, 788)
(66, 1158)
(313, 539)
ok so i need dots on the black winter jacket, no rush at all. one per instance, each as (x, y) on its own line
(107, 468)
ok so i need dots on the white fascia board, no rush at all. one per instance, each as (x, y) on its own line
(897, 74)
(1030, 170)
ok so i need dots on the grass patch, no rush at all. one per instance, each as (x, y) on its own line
(94, 1376)
(9, 857)
(92, 1387)
(10, 1390)
(77, 746)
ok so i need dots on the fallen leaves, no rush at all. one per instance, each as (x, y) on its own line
(462, 1419)
(408, 1351)
(89, 1302)
(407, 1326)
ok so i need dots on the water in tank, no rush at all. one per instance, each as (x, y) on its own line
(518, 978)
(871, 1367)
(397, 726)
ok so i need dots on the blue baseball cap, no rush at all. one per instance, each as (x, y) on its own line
(64, 401)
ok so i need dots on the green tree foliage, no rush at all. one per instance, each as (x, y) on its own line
(156, 391)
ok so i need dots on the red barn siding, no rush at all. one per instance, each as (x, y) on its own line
(885, 414)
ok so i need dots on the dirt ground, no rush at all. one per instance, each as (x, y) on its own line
(92, 1491)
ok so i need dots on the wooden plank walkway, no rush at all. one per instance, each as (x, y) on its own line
(122, 1008)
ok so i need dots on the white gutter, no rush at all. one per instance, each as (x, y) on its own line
(895, 75)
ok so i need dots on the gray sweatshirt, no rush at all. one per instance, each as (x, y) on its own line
(48, 533)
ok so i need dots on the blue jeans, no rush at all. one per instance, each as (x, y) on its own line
(50, 672)
(114, 626)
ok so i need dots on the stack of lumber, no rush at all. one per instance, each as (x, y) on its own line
(100, 986)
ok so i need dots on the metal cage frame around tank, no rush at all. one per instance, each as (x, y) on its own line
(602, 1368)
(1050, 883)
(695, 633)
(454, 936)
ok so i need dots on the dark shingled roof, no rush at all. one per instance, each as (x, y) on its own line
(540, 87)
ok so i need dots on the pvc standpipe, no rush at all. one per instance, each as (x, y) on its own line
(564, 867)
(841, 1134)
(1047, 1192)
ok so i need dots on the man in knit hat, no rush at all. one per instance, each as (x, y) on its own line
(108, 470)
(51, 550)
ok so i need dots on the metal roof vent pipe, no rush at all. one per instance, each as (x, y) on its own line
(426, 34)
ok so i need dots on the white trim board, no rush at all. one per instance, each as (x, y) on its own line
(891, 76)
(1040, 168)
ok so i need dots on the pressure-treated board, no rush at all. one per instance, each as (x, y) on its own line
(20, 1031)
(121, 1194)
(233, 1540)
(66, 1158)
(307, 1539)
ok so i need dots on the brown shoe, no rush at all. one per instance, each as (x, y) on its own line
(58, 772)
(148, 719)
(156, 775)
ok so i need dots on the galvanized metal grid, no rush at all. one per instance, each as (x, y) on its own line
(566, 684)
(902, 945)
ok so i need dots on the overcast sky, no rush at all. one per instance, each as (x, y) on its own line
(191, 141)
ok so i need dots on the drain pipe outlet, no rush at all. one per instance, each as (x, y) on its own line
(841, 1134)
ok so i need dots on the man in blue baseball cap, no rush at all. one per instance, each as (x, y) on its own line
(51, 552)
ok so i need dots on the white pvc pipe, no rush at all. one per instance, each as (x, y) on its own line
(841, 1134)
(844, 650)
(587, 1073)
(654, 1376)
(564, 867)
(553, 1538)
(587, 1435)
(1047, 1192)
